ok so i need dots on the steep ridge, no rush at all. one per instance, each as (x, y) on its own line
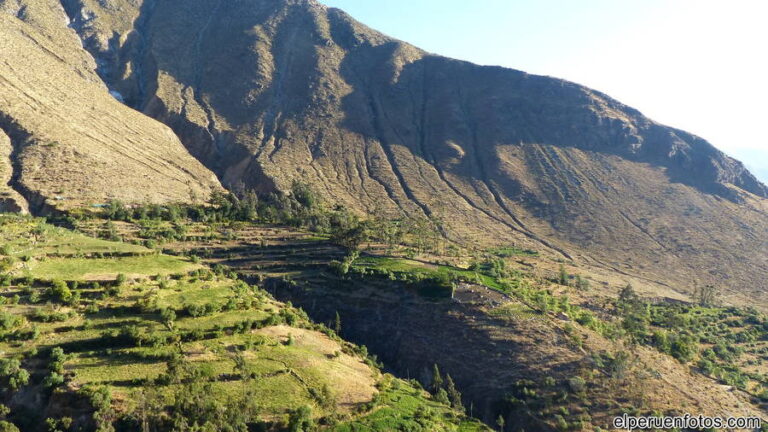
(266, 92)
(71, 143)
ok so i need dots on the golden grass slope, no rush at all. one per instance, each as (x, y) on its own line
(71, 141)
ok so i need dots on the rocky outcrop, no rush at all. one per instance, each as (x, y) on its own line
(10, 199)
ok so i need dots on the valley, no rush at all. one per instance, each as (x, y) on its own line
(263, 215)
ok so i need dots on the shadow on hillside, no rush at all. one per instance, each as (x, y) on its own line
(434, 104)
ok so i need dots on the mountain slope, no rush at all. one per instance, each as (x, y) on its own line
(266, 92)
(68, 140)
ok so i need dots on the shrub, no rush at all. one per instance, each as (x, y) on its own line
(562, 424)
(683, 348)
(50, 316)
(12, 375)
(660, 340)
(60, 291)
(8, 427)
(301, 420)
(53, 380)
(9, 321)
(7, 263)
(577, 384)
(57, 359)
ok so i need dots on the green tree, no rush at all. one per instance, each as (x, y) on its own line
(442, 396)
(12, 375)
(454, 396)
(168, 316)
(53, 380)
(582, 283)
(101, 400)
(109, 231)
(562, 276)
(660, 340)
(707, 295)
(617, 366)
(337, 324)
(437, 379)
(301, 420)
(241, 366)
(627, 295)
(60, 291)
(8, 427)
(684, 348)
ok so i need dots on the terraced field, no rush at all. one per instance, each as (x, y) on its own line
(82, 317)
(535, 345)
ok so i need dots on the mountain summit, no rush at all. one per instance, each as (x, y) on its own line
(265, 92)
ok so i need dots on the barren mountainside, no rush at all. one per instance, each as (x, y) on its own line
(65, 140)
(263, 92)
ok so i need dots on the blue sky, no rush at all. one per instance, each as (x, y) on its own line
(698, 65)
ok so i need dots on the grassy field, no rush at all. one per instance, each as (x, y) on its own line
(412, 267)
(24, 237)
(84, 269)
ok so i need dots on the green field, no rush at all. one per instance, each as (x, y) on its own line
(27, 237)
(411, 267)
(106, 268)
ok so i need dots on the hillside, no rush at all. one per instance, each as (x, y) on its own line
(96, 333)
(265, 92)
(543, 350)
(65, 141)
(264, 215)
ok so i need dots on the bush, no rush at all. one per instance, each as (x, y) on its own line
(53, 380)
(12, 375)
(60, 291)
(57, 359)
(9, 321)
(660, 340)
(339, 268)
(684, 348)
(301, 420)
(8, 427)
(577, 384)
(50, 316)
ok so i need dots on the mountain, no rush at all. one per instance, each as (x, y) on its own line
(66, 142)
(268, 92)
(553, 198)
(757, 161)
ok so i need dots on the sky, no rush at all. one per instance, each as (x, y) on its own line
(697, 65)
